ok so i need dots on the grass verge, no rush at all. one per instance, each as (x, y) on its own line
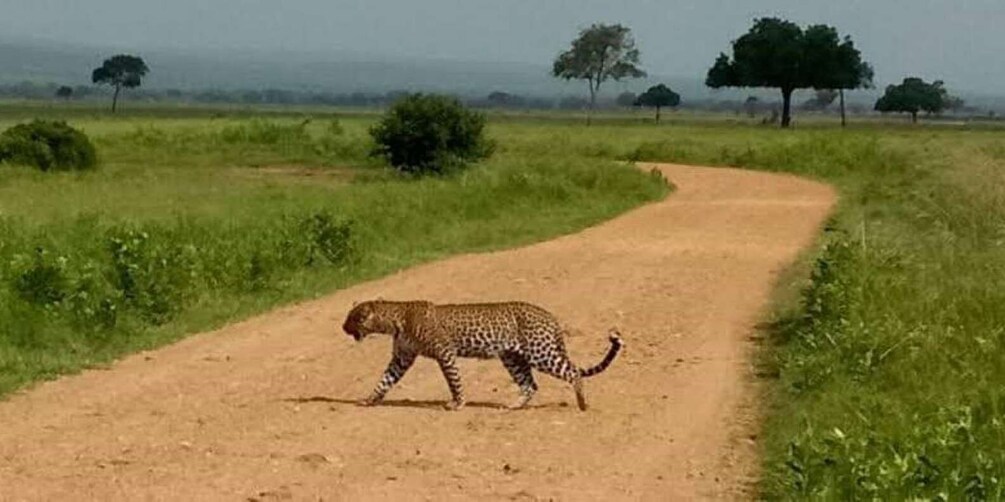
(888, 374)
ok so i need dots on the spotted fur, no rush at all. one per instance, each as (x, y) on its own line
(523, 336)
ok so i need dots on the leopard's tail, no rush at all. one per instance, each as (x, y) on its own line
(616, 344)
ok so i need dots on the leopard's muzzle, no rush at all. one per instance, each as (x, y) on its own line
(352, 330)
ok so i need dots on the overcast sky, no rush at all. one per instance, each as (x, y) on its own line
(962, 41)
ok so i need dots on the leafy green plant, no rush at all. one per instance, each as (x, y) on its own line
(93, 303)
(326, 237)
(152, 274)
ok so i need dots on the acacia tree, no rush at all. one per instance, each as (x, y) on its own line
(912, 96)
(780, 54)
(601, 52)
(65, 92)
(120, 71)
(657, 97)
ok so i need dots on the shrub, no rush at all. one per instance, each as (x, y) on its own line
(42, 281)
(425, 133)
(327, 236)
(47, 145)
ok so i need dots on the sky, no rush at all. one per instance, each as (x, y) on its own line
(961, 41)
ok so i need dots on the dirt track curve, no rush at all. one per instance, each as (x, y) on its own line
(262, 409)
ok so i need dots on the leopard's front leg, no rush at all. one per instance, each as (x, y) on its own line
(400, 362)
(448, 365)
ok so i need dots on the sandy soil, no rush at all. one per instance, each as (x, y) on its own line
(263, 409)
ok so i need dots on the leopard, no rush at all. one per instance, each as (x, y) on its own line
(522, 335)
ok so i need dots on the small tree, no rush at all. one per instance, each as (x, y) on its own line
(64, 92)
(601, 52)
(780, 54)
(504, 99)
(912, 96)
(657, 97)
(626, 99)
(821, 100)
(120, 71)
(750, 105)
(955, 104)
(837, 65)
(426, 133)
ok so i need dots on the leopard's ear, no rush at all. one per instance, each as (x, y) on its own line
(355, 303)
(380, 298)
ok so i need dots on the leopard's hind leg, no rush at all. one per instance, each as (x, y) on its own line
(522, 374)
(556, 363)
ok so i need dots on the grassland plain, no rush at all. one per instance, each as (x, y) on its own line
(191, 222)
(885, 377)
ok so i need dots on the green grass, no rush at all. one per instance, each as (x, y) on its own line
(889, 372)
(891, 375)
(193, 222)
(152, 166)
(885, 375)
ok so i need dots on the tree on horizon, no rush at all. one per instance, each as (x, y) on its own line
(659, 96)
(914, 95)
(601, 52)
(121, 71)
(779, 54)
(64, 92)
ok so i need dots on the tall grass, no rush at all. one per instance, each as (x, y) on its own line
(893, 374)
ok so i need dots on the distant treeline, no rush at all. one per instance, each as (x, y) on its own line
(492, 99)
(48, 91)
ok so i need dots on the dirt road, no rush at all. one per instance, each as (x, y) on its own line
(262, 409)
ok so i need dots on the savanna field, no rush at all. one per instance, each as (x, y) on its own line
(881, 364)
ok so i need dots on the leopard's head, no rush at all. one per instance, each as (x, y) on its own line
(363, 320)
